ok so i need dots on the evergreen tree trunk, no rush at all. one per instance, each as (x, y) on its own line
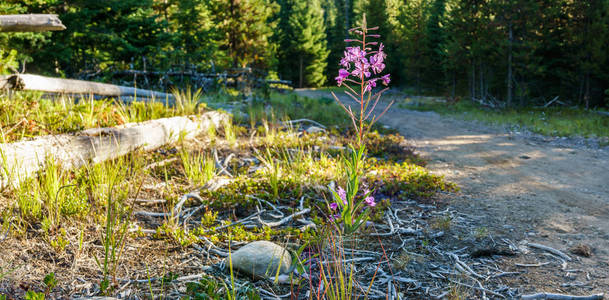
(454, 85)
(509, 76)
(232, 38)
(347, 24)
(587, 90)
(473, 82)
(481, 79)
(418, 82)
(300, 73)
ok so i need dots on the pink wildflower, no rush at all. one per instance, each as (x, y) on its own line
(342, 75)
(386, 79)
(342, 194)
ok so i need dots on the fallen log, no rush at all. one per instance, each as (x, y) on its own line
(30, 82)
(23, 159)
(30, 23)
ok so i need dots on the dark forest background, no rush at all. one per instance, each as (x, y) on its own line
(518, 52)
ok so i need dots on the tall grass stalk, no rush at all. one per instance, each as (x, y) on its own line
(117, 220)
(198, 168)
(187, 101)
(229, 132)
(272, 170)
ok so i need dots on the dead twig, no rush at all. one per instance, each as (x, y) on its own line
(284, 220)
(160, 163)
(551, 250)
(533, 265)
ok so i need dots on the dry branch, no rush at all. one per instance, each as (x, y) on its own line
(22, 159)
(561, 297)
(550, 250)
(30, 23)
(31, 82)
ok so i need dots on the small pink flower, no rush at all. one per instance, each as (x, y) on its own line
(342, 194)
(386, 79)
(369, 199)
(342, 75)
(371, 84)
(333, 206)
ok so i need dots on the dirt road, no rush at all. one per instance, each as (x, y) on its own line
(522, 187)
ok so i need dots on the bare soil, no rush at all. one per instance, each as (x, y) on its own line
(523, 188)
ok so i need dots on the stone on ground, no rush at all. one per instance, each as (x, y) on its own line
(262, 259)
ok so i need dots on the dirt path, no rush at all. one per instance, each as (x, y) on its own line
(522, 187)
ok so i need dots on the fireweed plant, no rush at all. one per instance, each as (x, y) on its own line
(362, 67)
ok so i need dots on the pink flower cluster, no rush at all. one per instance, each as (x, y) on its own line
(361, 65)
(342, 194)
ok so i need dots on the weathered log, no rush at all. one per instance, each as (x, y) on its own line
(30, 82)
(123, 99)
(30, 23)
(23, 159)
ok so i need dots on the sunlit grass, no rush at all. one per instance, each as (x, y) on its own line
(553, 121)
(30, 114)
(198, 167)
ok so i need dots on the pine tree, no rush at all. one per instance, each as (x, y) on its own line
(435, 43)
(101, 35)
(245, 27)
(589, 30)
(192, 32)
(306, 53)
(336, 33)
(377, 15)
(413, 59)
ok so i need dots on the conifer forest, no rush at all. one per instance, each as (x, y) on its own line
(517, 52)
(304, 149)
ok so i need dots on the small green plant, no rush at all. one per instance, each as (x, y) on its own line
(209, 218)
(273, 171)
(31, 295)
(353, 207)
(442, 223)
(51, 181)
(481, 232)
(59, 243)
(229, 132)
(50, 282)
(117, 220)
(28, 199)
(188, 101)
(198, 168)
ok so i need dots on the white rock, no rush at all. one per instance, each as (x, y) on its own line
(262, 259)
(315, 129)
